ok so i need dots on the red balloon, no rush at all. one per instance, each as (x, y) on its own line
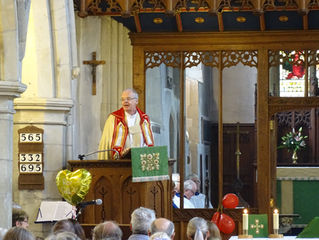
(226, 224)
(230, 200)
(215, 218)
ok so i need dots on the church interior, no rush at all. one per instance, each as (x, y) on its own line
(230, 86)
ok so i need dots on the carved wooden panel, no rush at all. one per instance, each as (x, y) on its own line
(207, 58)
(247, 147)
(129, 8)
(156, 197)
(112, 182)
(308, 120)
(130, 199)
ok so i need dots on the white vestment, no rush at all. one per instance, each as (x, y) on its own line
(199, 201)
(187, 203)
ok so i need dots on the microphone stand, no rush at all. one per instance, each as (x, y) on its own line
(78, 213)
(117, 154)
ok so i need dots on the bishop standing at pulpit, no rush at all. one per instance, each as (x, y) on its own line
(126, 128)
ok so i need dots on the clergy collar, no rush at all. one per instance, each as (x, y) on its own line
(129, 115)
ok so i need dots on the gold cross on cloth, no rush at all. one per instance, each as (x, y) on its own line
(257, 226)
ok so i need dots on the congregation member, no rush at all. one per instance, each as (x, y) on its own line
(163, 225)
(214, 233)
(199, 199)
(126, 128)
(189, 191)
(19, 218)
(18, 233)
(197, 229)
(69, 225)
(63, 236)
(160, 236)
(141, 220)
(107, 230)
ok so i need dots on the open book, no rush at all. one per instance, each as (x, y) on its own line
(51, 211)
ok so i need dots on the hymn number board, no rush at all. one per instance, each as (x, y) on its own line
(30, 158)
(29, 161)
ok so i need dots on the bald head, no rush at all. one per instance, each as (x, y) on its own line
(107, 230)
(163, 225)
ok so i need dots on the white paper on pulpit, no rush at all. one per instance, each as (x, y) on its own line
(52, 211)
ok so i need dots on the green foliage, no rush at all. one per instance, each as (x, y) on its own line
(293, 141)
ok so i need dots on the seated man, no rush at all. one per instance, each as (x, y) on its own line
(189, 191)
(107, 230)
(163, 225)
(141, 220)
(199, 199)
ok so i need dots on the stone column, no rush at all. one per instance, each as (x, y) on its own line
(51, 115)
(49, 70)
(8, 91)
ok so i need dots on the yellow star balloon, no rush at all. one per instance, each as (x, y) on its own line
(73, 186)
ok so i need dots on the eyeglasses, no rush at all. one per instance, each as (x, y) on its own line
(127, 99)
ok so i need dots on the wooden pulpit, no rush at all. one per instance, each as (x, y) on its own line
(112, 182)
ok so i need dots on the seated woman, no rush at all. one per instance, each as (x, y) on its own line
(197, 229)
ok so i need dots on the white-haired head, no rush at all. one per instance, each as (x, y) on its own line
(141, 220)
(197, 228)
(160, 236)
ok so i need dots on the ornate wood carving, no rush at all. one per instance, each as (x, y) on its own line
(232, 58)
(130, 199)
(295, 118)
(208, 58)
(284, 119)
(278, 104)
(131, 7)
(112, 182)
(102, 191)
(155, 59)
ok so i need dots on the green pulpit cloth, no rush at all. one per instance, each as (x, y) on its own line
(149, 164)
(258, 225)
(311, 230)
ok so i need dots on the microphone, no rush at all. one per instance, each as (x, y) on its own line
(117, 154)
(93, 202)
